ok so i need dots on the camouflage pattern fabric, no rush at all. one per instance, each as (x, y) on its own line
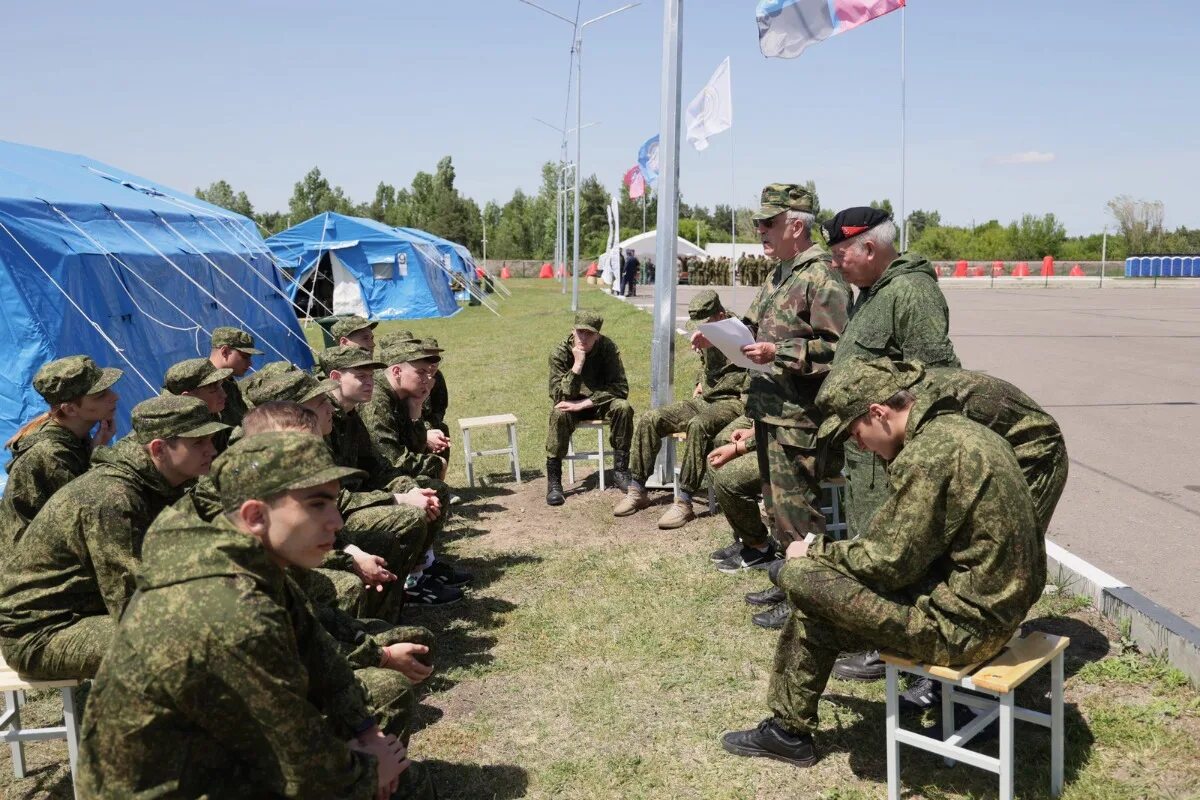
(79, 555)
(260, 705)
(73, 377)
(43, 461)
(399, 440)
(791, 488)
(235, 405)
(434, 410)
(236, 338)
(779, 197)
(738, 485)
(699, 419)
(945, 574)
(603, 380)
(904, 316)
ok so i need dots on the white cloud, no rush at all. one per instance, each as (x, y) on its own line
(1028, 157)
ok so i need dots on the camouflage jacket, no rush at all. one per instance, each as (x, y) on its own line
(602, 377)
(719, 379)
(353, 447)
(220, 683)
(903, 316)
(434, 410)
(235, 405)
(397, 438)
(802, 308)
(43, 461)
(957, 536)
(79, 556)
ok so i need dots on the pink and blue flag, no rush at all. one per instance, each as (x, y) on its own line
(786, 28)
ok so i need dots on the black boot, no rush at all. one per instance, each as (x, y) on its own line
(554, 490)
(621, 469)
(860, 667)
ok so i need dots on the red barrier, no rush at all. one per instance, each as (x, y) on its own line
(505, 273)
(960, 269)
(547, 271)
(997, 269)
(592, 270)
(937, 271)
(977, 272)
(1048, 266)
(1076, 271)
(1021, 270)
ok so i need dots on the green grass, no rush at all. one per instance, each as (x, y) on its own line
(601, 658)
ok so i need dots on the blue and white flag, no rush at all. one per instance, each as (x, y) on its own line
(711, 112)
(648, 160)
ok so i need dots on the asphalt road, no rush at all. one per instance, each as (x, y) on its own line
(1119, 368)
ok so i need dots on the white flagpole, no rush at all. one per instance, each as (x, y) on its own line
(903, 221)
(732, 190)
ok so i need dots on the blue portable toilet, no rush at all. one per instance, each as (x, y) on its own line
(1189, 266)
(1177, 267)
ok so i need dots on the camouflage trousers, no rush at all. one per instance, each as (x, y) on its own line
(73, 652)
(699, 419)
(791, 487)
(835, 614)
(866, 488)
(738, 485)
(398, 533)
(391, 696)
(617, 413)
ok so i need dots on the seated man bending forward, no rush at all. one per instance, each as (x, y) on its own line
(945, 573)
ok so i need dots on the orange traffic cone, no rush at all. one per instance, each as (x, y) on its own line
(592, 270)
(1076, 271)
(997, 269)
(1048, 265)
(547, 271)
(1021, 270)
(960, 269)
(505, 274)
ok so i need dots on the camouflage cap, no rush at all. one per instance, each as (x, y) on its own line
(170, 416)
(348, 325)
(294, 385)
(704, 305)
(393, 338)
(780, 197)
(267, 464)
(347, 357)
(854, 386)
(236, 338)
(404, 352)
(588, 321)
(192, 374)
(430, 343)
(73, 377)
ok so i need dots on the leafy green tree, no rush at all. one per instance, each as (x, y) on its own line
(883, 205)
(314, 195)
(222, 194)
(919, 220)
(1034, 236)
(1140, 222)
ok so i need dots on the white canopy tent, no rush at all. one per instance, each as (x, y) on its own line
(644, 244)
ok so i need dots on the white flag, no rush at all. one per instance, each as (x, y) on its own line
(712, 110)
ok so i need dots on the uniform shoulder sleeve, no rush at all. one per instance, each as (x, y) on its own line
(922, 322)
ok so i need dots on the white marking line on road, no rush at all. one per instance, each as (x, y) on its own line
(1095, 575)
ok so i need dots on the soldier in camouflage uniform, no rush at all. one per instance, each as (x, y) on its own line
(716, 401)
(587, 381)
(737, 483)
(900, 313)
(55, 447)
(797, 318)
(354, 331)
(945, 574)
(233, 349)
(197, 377)
(69, 580)
(262, 704)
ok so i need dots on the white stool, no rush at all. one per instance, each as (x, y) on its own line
(999, 677)
(712, 494)
(465, 425)
(835, 526)
(596, 455)
(14, 686)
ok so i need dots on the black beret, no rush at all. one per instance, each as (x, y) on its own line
(851, 222)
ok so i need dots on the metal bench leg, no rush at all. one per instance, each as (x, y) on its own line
(1006, 745)
(600, 449)
(1056, 726)
(470, 465)
(571, 463)
(72, 730)
(13, 707)
(947, 716)
(512, 443)
(893, 746)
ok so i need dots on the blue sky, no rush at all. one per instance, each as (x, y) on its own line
(1015, 106)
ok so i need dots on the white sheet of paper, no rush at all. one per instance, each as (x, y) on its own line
(730, 336)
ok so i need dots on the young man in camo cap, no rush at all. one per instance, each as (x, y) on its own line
(262, 704)
(354, 331)
(66, 585)
(198, 378)
(232, 349)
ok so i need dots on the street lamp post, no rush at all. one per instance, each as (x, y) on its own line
(560, 210)
(577, 51)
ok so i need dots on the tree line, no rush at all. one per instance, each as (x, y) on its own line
(523, 227)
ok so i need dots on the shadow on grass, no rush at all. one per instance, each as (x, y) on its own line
(1088, 644)
(864, 740)
(49, 782)
(474, 781)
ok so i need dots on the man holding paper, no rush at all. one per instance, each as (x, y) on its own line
(796, 319)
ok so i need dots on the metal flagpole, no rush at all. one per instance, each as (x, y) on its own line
(732, 193)
(662, 352)
(903, 226)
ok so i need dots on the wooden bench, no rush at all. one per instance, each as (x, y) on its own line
(999, 677)
(596, 455)
(14, 686)
(469, 423)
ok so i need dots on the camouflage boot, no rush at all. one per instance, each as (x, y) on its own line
(679, 514)
(634, 501)
(554, 489)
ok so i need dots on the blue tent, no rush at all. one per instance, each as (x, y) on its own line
(97, 261)
(375, 270)
(455, 257)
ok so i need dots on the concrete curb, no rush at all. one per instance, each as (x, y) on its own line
(1156, 630)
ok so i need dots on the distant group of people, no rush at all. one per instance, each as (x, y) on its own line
(231, 574)
(951, 476)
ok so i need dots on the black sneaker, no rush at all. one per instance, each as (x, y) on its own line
(728, 551)
(428, 592)
(924, 693)
(860, 667)
(768, 740)
(748, 558)
(767, 597)
(774, 617)
(448, 575)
